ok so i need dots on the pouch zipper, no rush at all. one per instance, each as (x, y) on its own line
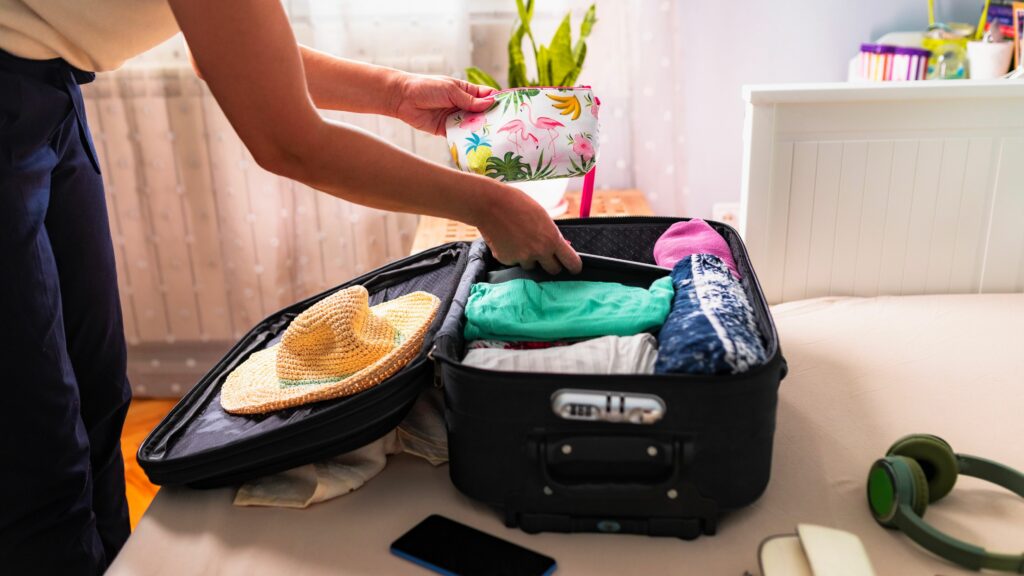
(540, 88)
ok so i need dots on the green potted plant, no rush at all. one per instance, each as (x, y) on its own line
(556, 64)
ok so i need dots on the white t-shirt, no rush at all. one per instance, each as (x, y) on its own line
(94, 35)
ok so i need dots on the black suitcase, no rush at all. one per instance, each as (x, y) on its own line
(649, 454)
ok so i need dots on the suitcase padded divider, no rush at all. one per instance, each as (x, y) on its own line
(203, 425)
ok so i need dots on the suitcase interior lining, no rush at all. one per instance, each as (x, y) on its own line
(207, 426)
(626, 241)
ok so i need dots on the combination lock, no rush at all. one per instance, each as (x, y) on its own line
(601, 406)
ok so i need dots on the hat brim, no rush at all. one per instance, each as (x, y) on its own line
(254, 388)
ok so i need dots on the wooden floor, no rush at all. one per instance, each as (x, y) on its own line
(143, 416)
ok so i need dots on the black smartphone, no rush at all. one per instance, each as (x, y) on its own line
(447, 547)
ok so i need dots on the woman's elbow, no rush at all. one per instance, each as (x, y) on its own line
(287, 148)
(281, 159)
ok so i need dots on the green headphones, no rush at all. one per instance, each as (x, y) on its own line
(920, 469)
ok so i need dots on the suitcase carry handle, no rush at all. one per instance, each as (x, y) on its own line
(605, 478)
(583, 464)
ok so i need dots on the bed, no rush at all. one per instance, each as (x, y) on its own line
(885, 226)
(864, 371)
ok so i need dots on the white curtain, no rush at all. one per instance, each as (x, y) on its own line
(208, 244)
(639, 67)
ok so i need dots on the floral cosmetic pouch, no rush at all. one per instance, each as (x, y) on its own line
(529, 133)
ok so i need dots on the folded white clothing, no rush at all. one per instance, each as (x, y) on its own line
(605, 355)
(320, 481)
(422, 433)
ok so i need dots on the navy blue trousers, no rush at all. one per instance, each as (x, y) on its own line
(64, 393)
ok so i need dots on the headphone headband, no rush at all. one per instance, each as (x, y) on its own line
(952, 549)
(898, 495)
(991, 471)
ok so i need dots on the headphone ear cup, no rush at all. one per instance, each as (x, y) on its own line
(896, 481)
(919, 499)
(934, 458)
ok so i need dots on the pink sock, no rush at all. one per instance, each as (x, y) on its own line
(692, 237)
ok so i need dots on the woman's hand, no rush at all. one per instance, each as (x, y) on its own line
(425, 102)
(519, 231)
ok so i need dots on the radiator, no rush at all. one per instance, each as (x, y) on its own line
(207, 243)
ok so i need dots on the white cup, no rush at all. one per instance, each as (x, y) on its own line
(989, 60)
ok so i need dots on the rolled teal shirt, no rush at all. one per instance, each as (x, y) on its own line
(520, 310)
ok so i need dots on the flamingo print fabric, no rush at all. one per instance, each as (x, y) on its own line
(528, 134)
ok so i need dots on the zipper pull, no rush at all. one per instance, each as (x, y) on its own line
(438, 382)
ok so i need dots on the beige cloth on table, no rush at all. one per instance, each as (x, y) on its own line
(421, 434)
(863, 372)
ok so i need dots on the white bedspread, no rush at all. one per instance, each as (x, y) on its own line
(862, 373)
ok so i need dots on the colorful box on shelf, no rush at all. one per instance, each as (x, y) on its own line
(883, 63)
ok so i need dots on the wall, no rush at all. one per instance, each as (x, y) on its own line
(729, 44)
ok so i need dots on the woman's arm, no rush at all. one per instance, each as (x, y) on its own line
(340, 84)
(254, 68)
(422, 101)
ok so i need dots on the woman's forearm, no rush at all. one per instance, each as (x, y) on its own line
(339, 84)
(357, 166)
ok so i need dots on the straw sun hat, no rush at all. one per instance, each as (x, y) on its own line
(337, 347)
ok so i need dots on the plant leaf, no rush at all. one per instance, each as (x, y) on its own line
(525, 11)
(570, 80)
(585, 27)
(580, 58)
(507, 169)
(525, 18)
(516, 60)
(478, 76)
(560, 51)
(544, 67)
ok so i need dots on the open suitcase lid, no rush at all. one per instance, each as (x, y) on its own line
(201, 445)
